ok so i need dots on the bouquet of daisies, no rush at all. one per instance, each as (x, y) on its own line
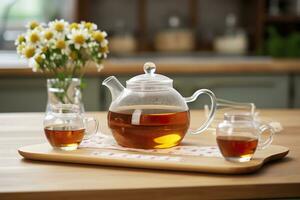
(62, 49)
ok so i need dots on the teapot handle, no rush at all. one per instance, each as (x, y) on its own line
(212, 109)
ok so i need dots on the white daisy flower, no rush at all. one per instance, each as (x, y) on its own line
(62, 45)
(33, 37)
(38, 59)
(48, 34)
(103, 49)
(104, 33)
(32, 25)
(99, 36)
(59, 26)
(74, 25)
(20, 40)
(29, 51)
(104, 43)
(78, 38)
(88, 25)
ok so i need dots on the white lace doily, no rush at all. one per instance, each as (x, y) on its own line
(107, 142)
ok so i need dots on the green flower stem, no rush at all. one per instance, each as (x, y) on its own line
(64, 84)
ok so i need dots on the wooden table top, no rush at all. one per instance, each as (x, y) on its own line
(183, 66)
(26, 179)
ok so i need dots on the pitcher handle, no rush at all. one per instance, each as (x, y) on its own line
(263, 128)
(95, 125)
(222, 103)
(212, 109)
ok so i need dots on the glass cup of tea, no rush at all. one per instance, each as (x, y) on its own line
(65, 126)
(239, 136)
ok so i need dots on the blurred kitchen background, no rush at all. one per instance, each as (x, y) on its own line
(245, 51)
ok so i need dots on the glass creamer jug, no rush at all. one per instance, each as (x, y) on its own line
(149, 113)
(239, 135)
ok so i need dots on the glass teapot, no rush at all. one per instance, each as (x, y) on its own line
(149, 113)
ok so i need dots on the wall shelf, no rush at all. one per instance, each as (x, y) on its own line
(253, 17)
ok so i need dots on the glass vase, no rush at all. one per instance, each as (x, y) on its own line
(66, 91)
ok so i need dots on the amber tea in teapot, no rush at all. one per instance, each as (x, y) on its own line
(149, 113)
(149, 127)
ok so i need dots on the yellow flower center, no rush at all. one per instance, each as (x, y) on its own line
(74, 26)
(59, 26)
(73, 55)
(98, 36)
(21, 39)
(34, 37)
(48, 35)
(29, 52)
(103, 49)
(39, 59)
(79, 39)
(33, 25)
(44, 49)
(88, 25)
(60, 44)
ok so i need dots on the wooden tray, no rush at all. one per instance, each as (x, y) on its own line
(153, 161)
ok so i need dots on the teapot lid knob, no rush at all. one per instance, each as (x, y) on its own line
(149, 68)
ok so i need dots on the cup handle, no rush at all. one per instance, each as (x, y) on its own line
(212, 109)
(93, 131)
(264, 144)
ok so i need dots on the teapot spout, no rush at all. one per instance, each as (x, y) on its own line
(114, 86)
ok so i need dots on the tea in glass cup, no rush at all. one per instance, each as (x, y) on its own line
(65, 127)
(239, 136)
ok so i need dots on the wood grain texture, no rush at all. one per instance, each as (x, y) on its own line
(114, 67)
(25, 179)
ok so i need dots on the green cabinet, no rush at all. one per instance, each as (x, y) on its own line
(266, 91)
(296, 93)
(23, 94)
(92, 94)
(30, 94)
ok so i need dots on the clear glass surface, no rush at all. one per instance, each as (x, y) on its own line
(65, 126)
(149, 104)
(239, 136)
(66, 91)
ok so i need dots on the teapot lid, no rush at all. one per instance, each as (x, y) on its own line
(149, 80)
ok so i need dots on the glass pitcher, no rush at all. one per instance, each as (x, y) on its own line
(239, 135)
(149, 113)
(65, 126)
